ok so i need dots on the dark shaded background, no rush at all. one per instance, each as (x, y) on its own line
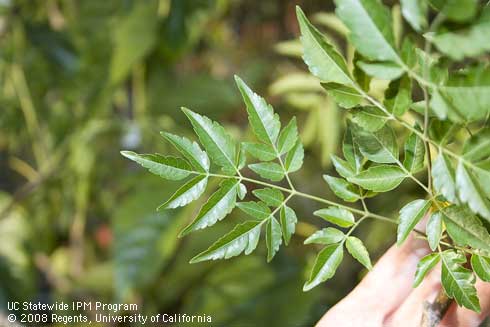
(81, 80)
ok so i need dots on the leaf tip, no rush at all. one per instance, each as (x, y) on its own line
(307, 286)
(128, 154)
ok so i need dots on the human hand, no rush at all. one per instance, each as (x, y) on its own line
(385, 297)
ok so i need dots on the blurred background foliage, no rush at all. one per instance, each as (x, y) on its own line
(81, 80)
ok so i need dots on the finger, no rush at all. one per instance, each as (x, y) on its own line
(411, 310)
(382, 290)
(458, 316)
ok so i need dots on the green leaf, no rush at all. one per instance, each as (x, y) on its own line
(167, 167)
(469, 41)
(470, 191)
(190, 150)
(273, 237)
(265, 123)
(219, 204)
(383, 70)
(351, 150)
(369, 118)
(457, 281)
(434, 230)
(465, 228)
(381, 178)
(415, 13)
(379, 146)
(477, 147)
(370, 25)
(294, 158)
(338, 216)
(325, 236)
(398, 96)
(325, 265)
(424, 266)
(287, 137)
(342, 167)
(322, 59)
(260, 151)
(362, 79)
(344, 96)
(218, 144)
(465, 97)
(271, 196)
(242, 191)
(269, 170)
(357, 249)
(443, 178)
(257, 210)
(288, 222)
(481, 267)
(414, 153)
(459, 11)
(410, 215)
(342, 188)
(187, 193)
(244, 237)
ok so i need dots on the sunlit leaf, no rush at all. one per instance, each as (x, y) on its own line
(273, 237)
(287, 137)
(190, 150)
(220, 204)
(325, 236)
(410, 215)
(187, 193)
(343, 189)
(325, 265)
(424, 266)
(167, 167)
(357, 249)
(381, 178)
(338, 216)
(271, 196)
(243, 237)
(288, 222)
(294, 158)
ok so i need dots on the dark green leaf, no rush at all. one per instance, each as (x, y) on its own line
(434, 230)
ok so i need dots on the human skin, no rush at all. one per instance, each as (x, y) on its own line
(385, 297)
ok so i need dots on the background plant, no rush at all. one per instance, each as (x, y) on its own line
(437, 100)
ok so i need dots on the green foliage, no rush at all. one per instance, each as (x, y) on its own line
(390, 136)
